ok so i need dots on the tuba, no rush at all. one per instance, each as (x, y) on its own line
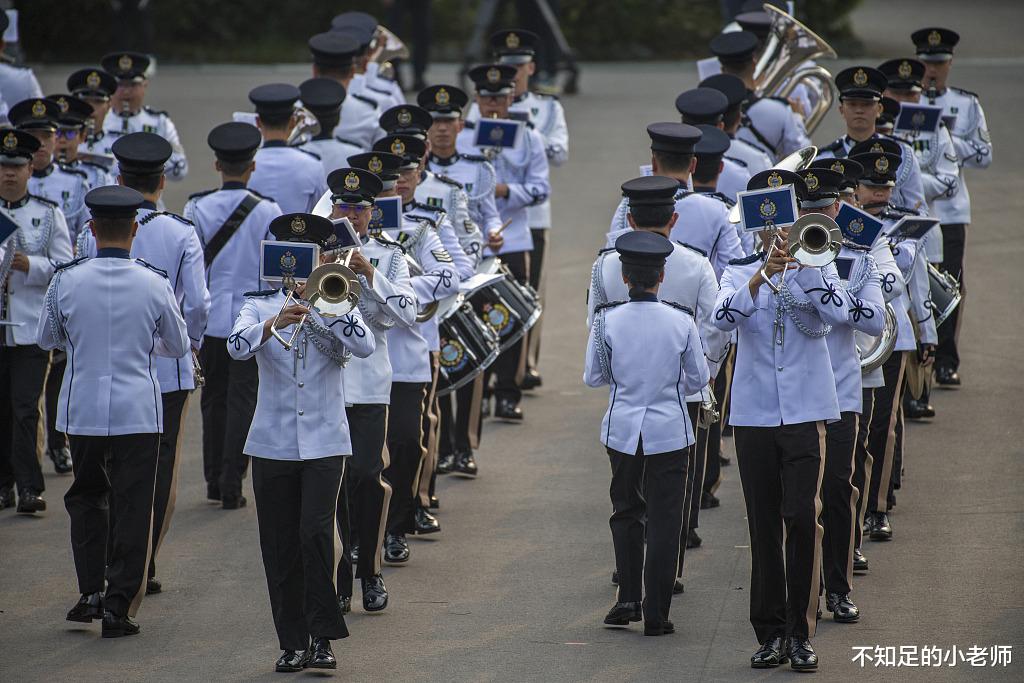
(814, 241)
(306, 129)
(332, 289)
(796, 161)
(390, 47)
(778, 70)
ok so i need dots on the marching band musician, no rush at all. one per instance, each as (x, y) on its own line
(387, 301)
(522, 182)
(298, 443)
(113, 315)
(778, 414)
(973, 146)
(735, 91)
(707, 106)
(293, 177)
(323, 97)
(95, 86)
(27, 263)
(368, 79)
(769, 123)
(646, 431)
(334, 57)
(71, 135)
(128, 113)
(838, 495)
(230, 222)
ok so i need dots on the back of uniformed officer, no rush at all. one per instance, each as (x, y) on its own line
(114, 315)
(334, 56)
(706, 107)
(735, 91)
(323, 97)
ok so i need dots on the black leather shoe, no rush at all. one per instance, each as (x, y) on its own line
(842, 608)
(801, 655)
(115, 626)
(213, 492)
(506, 409)
(375, 593)
(322, 656)
(424, 522)
(917, 410)
(692, 539)
(770, 655)
(615, 577)
(623, 613)
(61, 458)
(946, 376)
(465, 465)
(860, 563)
(153, 586)
(708, 501)
(345, 603)
(396, 549)
(659, 629)
(880, 529)
(678, 587)
(233, 502)
(531, 380)
(30, 502)
(89, 607)
(434, 503)
(292, 661)
(6, 497)
(445, 463)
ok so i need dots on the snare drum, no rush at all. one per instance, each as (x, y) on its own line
(507, 307)
(944, 292)
(468, 346)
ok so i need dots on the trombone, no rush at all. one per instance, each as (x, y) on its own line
(333, 289)
(814, 241)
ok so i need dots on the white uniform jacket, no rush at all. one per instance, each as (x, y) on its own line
(477, 177)
(290, 176)
(444, 218)
(300, 404)
(113, 316)
(733, 178)
(149, 120)
(771, 124)
(97, 175)
(43, 237)
(890, 279)
(754, 157)
(96, 149)
(909, 190)
(360, 116)
(66, 187)
(649, 352)
(465, 241)
(973, 146)
(18, 83)
(333, 152)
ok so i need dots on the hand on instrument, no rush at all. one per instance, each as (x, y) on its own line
(501, 190)
(291, 315)
(19, 262)
(926, 354)
(360, 265)
(495, 241)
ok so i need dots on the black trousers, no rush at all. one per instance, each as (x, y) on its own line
(295, 506)
(116, 472)
(863, 462)
(651, 488)
(22, 374)
(882, 433)
(839, 500)
(694, 482)
(780, 471)
(405, 448)
(166, 490)
(228, 403)
(954, 241)
(713, 436)
(507, 367)
(363, 504)
(536, 279)
(58, 362)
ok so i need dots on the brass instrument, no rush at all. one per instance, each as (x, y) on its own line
(708, 413)
(429, 310)
(874, 351)
(390, 47)
(308, 127)
(777, 71)
(814, 241)
(332, 289)
(796, 161)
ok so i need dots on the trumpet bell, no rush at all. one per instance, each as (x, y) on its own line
(815, 240)
(796, 161)
(333, 289)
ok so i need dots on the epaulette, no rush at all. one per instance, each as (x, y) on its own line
(673, 304)
(448, 181)
(386, 241)
(692, 248)
(425, 219)
(364, 98)
(747, 260)
(197, 195)
(781, 100)
(470, 125)
(605, 250)
(44, 200)
(964, 92)
(738, 162)
(159, 271)
(834, 146)
(721, 197)
(71, 169)
(306, 151)
(473, 157)
(427, 207)
(68, 264)
(156, 112)
(83, 162)
(165, 213)
(680, 193)
(545, 96)
(262, 292)
(608, 304)
(378, 90)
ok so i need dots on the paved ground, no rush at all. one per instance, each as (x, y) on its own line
(515, 587)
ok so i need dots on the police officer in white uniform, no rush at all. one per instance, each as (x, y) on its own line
(973, 146)
(128, 113)
(706, 227)
(646, 430)
(707, 106)
(387, 300)
(114, 316)
(323, 97)
(372, 78)
(95, 86)
(778, 414)
(71, 135)
(334, 57)
(17, 83)
(735, 91)
(522, 182)
(299, 441)
(291, 176)
(27, 261)
(230, 223)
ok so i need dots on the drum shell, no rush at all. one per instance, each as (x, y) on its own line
(945, 294)
(468, 346)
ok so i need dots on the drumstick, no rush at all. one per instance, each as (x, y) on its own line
(503, 226)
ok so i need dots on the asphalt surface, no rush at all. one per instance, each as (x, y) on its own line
(516, 585)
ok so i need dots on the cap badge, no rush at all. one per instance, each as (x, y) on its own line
(351, 181)
(288, 263)
(838, 167)
(442, 97)
(882, 165)
(10, 141)
(774, 180)
(298, 226)
(768, 209)
(811, 181)
(398, 147)
(934, 38)
(404, 117)
(93, 80)
(38, 109)
(856, 226)
(375, 165)
(512, 41)
(63, 104)
(125, 63)
(860, 77)
(493, 75)
(905, 70)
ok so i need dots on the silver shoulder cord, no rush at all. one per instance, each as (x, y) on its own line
(382, 323)
(598, 293)
(602, 349)
(787, 303)
(325, 342)
(57, 332)
(486, 179)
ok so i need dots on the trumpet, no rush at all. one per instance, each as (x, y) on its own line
(814, 241)
(333, 289)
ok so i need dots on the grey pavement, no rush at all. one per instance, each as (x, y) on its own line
(516, 585)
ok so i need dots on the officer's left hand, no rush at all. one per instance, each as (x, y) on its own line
(495, 241)
(20, 262)
(926, 354)
(501, 190)
(361, 266)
